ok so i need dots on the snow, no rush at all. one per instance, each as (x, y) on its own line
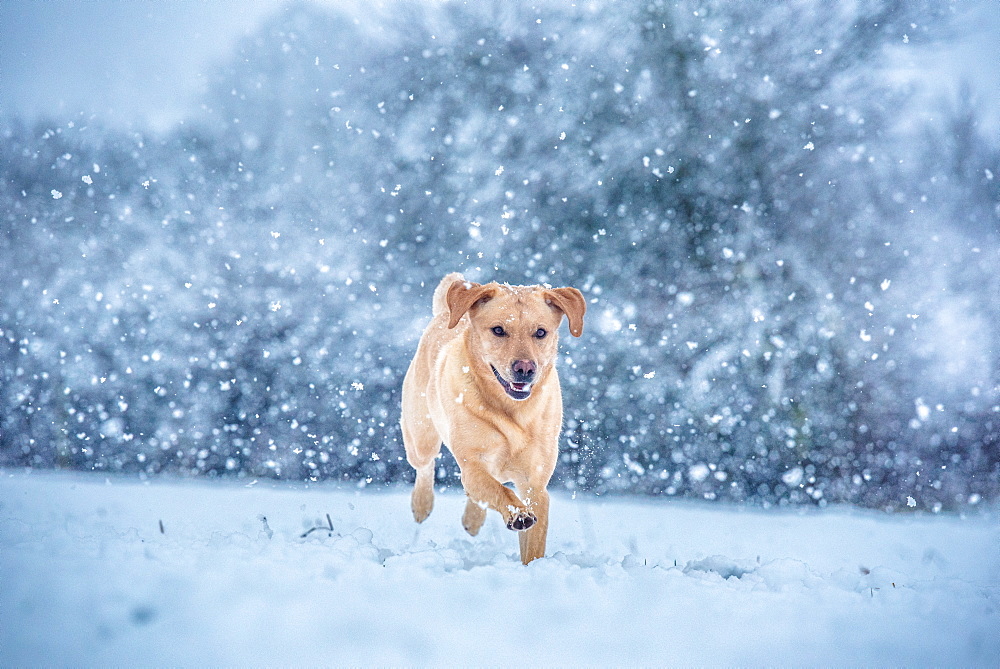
(114, 571)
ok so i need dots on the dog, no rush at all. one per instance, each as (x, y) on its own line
(484, 383)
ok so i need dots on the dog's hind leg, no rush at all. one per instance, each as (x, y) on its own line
(472, 519)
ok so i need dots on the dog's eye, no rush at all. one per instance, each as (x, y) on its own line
(499, 331)
(540, 333)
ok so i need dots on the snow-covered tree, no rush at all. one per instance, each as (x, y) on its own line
(787, 302)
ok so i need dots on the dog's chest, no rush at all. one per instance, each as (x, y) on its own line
(520, 449)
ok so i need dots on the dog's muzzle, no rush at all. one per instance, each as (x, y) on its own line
(517, 391)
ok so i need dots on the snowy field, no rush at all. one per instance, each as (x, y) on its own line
(97, 572)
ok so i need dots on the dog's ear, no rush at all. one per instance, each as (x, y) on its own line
(462, 295)
(569, 301)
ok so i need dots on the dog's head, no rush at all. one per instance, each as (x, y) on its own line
(512, 329)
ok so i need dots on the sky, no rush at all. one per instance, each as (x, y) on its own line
(145, 62)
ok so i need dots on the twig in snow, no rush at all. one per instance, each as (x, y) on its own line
(320, 527)
(267, 530)
(162, 531)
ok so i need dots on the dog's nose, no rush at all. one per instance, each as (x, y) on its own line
(524, 371)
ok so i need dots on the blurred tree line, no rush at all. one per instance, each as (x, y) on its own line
(793, 295)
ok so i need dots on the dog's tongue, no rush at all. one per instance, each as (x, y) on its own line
(518, 386)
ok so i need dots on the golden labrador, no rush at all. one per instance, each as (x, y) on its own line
(484, 382)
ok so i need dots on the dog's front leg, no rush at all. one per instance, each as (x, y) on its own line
(482, 488)
(532, 542)
(422, 497)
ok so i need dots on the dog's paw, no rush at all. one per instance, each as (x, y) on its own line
(472, 519)
(422, 503)
(521, 520)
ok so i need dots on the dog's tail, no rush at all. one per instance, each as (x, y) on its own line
(441, 292)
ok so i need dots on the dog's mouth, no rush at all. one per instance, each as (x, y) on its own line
(517, 391)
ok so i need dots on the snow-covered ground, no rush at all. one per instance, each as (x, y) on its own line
(116, 572)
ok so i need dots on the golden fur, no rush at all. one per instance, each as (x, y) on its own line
(484, 382)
